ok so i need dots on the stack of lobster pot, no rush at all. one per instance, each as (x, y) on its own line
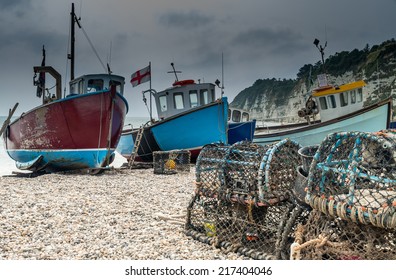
(242, 201)
(351, 188)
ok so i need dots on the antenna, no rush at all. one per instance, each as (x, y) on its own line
(222, 74)
(321, 49)
(174, 71)
(109, 59)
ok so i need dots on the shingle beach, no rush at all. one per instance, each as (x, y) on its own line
(121, 214)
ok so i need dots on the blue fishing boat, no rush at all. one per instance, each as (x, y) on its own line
(189, 117)
(240, 126)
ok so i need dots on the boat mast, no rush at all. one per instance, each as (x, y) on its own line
(321, 49)
(71, 56)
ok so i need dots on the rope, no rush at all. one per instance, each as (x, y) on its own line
(320, 242)
(172, 219)
(385, 217)
(100, 128)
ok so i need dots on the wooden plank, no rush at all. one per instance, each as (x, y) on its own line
(7, 121)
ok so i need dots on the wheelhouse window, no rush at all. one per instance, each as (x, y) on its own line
(323, 103)
(360, 95)
(193, 95)
(206, 96)
(74, 88)
(236, 116)
(344, 99)
(94, 85)
(353, 96)
(118, 85)
(332, 101)
(245, 117)
(178, 100)
(163, 103)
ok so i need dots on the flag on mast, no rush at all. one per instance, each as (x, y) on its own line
(141, 76)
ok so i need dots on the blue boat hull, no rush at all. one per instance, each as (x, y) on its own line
(193, 129)
(370, 119)
(126, 144)
(241, 131)
(236, 132)
(59, 160)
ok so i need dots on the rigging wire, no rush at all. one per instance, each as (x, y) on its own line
(67, 62)
(93, 48)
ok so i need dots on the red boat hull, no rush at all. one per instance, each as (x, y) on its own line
(80, 123)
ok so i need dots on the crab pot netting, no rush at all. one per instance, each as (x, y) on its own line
(353, 176)
(323, 237)
(171, 162)
(240, 202)
(247, 171)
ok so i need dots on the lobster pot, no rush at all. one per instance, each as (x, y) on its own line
(247, 171)
(227, 210)
(323, 237)
(307, 153)
(171, 162)
(353, 176)
(278, 172)
(300, 185)
(256, 232)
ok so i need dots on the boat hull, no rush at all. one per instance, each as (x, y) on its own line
(193, 129)
(241, 131)
(190, 130)
(370, 119)
(71, 133)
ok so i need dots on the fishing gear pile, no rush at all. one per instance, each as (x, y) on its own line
(243, 199)
(336, 200)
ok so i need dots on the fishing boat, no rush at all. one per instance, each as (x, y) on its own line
(189, 117)
(340, 107)
(78, 131)
(240, 125)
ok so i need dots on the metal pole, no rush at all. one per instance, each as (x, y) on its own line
(72, 42)
(151, 106)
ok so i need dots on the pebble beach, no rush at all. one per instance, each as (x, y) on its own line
(121, 214)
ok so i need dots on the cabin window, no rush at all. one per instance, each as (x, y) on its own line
(229, 114)
(205, 98)
(193, 98)
(245, 117)
(332, 101)
(95, 85)
(163, 103)
(74, 88)
(323, 103)
(236, 116)
(178, 100)
(118, 85)
(81, 87)
(353, 96)
(344, 99)
(360, 95)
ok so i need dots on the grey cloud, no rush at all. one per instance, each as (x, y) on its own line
(192, 19)
(265, 37)
(15, 7)
(269, 40)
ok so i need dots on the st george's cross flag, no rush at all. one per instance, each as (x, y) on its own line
(141, 76)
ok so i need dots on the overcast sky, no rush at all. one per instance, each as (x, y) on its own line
(258, 38)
